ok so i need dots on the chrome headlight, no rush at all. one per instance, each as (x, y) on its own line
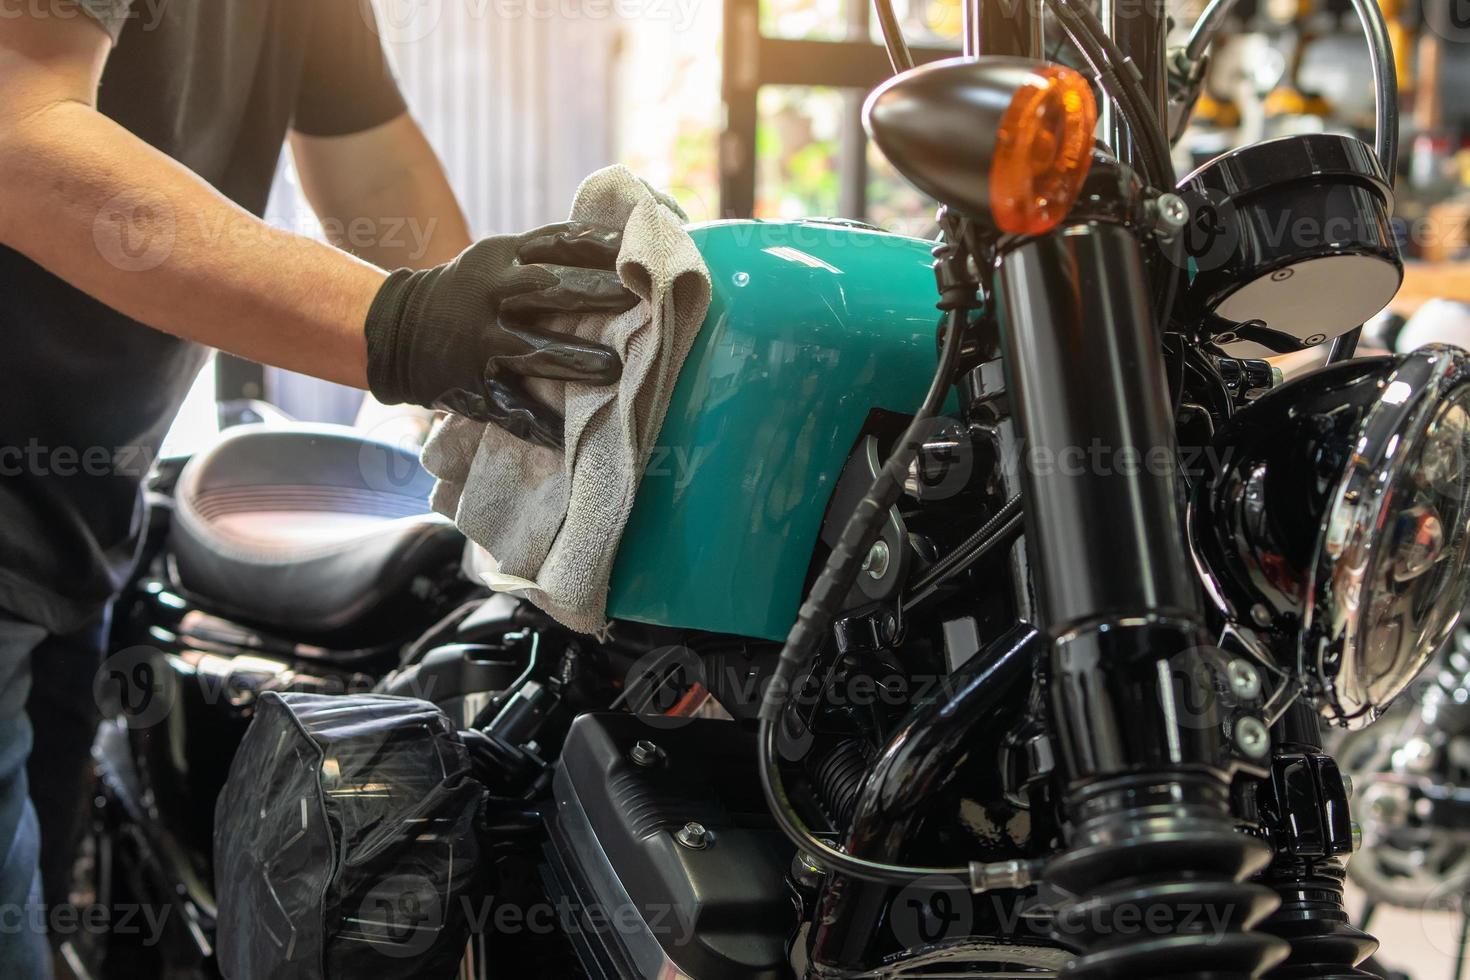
(1336, 523)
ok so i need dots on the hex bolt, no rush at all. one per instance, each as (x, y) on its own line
(694, 836)
(876, 564)
(1245, 681)
(646, 754)
(1252, 738)
(1171, 214)
(806, 871)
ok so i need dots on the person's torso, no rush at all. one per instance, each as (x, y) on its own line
(86, 394)
(212, 83)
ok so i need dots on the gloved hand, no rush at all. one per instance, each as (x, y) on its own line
(463, 336)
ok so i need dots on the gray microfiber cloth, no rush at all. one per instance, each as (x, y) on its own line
(550, 522)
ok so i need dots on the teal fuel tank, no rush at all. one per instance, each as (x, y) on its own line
(811, 325)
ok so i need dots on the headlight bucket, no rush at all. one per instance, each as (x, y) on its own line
(1335, 524)
(1293, 236)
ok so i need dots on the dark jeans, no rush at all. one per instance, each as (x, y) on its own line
(24, 952)
(64, 716)
(48, 718)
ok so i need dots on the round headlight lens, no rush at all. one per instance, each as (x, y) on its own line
(1337, 531)
(1416, 589)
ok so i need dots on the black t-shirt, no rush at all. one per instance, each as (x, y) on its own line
(86, 394)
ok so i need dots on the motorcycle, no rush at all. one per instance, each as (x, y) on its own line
(1082, 580)
(1409, 773)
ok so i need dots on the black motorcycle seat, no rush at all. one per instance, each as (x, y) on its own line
(306, 528)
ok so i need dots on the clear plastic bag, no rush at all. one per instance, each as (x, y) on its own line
(345, 841)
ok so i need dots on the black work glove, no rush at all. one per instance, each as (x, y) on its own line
(463, 336)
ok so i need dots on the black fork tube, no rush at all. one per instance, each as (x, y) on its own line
(1133, 681)
(1087, 384)
(1111, 571)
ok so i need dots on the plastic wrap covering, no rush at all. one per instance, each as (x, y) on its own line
(345, 841)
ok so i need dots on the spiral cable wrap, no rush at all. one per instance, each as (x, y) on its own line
(837, 777)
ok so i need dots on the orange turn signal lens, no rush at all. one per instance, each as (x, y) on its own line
(1043, 150)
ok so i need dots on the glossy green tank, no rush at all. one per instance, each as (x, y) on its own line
(811, 325)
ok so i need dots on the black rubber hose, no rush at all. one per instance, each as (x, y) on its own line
(1120, 81)
(815, 619)
(814, 847)
(838, 779)
(435, 634)
(1004, 523)
(843, 564)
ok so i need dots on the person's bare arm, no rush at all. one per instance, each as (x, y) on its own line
(116, 218)
(382, 195)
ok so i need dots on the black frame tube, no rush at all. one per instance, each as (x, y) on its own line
(921, 759)
(1138, 29)
(1003, 28)
(1385, 127)
(1205, 29)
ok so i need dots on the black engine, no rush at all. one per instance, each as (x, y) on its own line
(664, 852)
